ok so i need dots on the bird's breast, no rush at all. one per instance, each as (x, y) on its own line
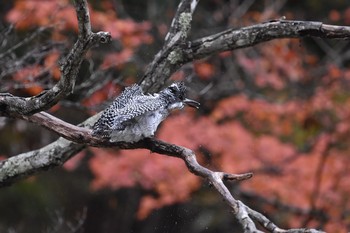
(141, 127)
(150, 121)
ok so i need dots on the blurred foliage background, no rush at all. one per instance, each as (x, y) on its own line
(278, 109)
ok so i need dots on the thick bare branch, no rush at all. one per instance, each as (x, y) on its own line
(271, 227)
(182, 19)
(29, 163)
(12, 105)
(174, 54)
(248, 36)
(168, 59)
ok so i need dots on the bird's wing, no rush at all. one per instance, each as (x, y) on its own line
(105, 124)
(139, 107)
(124, 98)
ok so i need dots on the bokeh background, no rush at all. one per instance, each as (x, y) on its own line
(279, 109)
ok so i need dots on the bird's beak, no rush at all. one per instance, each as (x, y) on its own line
(192, 103)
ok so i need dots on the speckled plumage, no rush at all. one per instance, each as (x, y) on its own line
(134, 115)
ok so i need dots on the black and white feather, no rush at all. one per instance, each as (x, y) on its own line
(134, 115)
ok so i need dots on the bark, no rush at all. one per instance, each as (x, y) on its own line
(248, 36)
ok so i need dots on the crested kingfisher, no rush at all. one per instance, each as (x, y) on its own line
(134, 115)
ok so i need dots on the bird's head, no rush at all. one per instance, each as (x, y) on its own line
(176, 93)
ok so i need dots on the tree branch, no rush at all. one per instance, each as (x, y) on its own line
(13, 105)
(175, 54)
(75, 138)
(168, 59)
(29, 163)
(248, 36)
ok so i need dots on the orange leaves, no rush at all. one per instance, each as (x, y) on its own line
(334, 72)
(170, 179)
(230, 107)
(61, 14)
(26, 77)
(107, 92)
(113, 171)
(30, 77)
(346, 16)
(295, 182)
(51, 63)
(260, 115)
(334, 15)
(166, 176)
(130, 33)
(117, 59)
(276, 63)
(244, 135)
(74, 162)
(262, 71)
(334, 187)
(330, 195)
(27, 74)
(27, 14)
(204, 70)
(270, 151)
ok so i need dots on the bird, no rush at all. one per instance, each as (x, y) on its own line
(134, 115)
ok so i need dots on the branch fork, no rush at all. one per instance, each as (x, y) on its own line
(13, 106)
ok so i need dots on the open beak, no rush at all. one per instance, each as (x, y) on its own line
(192, 103)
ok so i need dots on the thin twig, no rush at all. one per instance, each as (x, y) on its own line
(69, 67)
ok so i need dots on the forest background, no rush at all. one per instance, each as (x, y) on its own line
(280, 109)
